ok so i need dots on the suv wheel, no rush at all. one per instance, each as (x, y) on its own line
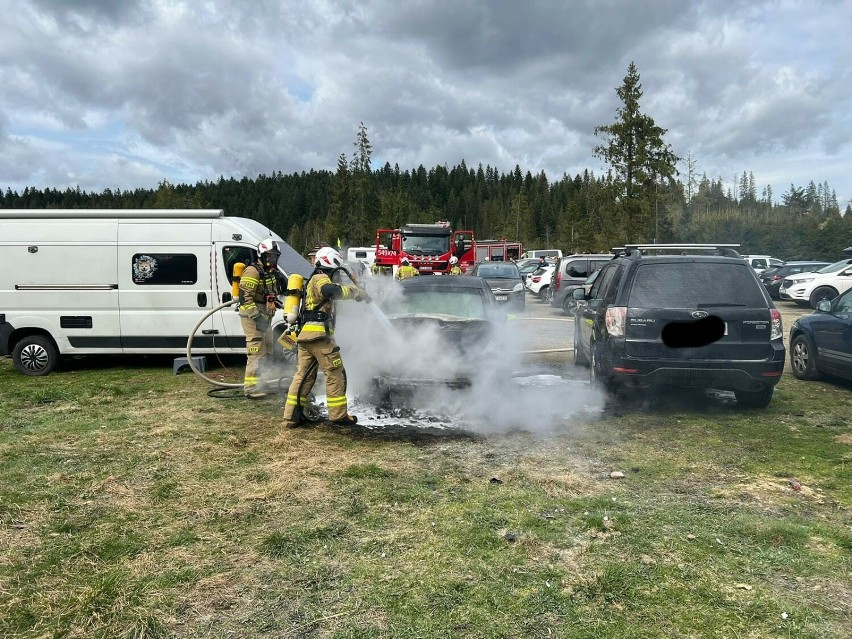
(597, 378)
(754, 399)
(820, 294)
(35, 355)
(544, 293)
(802, 358)
(579, 358)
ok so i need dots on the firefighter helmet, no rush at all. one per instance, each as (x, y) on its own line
(328, 258)
(268, 246)
(404, 261)
(454, 260)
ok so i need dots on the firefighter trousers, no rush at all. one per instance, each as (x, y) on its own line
(312, 355)
(258, 346)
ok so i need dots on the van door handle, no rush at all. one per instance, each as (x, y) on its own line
(226, 297)
(202, 299)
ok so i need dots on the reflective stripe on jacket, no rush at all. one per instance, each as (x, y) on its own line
(321, 292)
(255, 285)
(406, 271)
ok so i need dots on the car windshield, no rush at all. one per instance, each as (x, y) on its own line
(695, 285)
(834, 268)
(462, 303)
(425, 244)
(498, 271)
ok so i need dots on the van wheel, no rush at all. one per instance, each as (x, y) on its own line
(820, 294)
(35, 355)
(754, 399)
(569, 305)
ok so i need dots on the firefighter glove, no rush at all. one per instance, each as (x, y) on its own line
(361, 295)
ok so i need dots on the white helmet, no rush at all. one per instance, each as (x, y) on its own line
(327, 257)
(268, 246)
(404, 260)
(454, 260)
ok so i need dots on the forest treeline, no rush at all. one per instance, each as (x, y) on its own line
(642, 197)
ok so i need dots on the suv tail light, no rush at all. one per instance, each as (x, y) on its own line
(775, 278)
(558, 279)
(537, 279)
(777, 328)
(616, 317)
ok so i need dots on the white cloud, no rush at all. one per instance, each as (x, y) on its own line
(123, 95)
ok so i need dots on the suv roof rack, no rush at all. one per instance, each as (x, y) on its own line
(637, 250)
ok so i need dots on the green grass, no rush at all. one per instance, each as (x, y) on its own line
(134, 505)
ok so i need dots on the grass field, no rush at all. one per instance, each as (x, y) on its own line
(134, 505)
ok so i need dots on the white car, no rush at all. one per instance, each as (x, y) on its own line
(808, 289)
(538, 282)
(762, 262)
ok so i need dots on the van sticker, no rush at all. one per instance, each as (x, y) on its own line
(144, 267)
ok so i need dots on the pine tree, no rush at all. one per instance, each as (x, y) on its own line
(636, 154)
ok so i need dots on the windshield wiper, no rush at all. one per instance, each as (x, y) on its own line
(717, 305)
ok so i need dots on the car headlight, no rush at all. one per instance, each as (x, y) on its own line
(804, 281)
(518, 287)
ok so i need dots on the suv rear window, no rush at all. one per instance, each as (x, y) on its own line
(695, 285)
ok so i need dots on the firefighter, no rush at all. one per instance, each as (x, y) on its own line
(455, 269)
(316, 345)
(406, 270)
(258, 294)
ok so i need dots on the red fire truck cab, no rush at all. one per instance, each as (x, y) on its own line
(428, 247)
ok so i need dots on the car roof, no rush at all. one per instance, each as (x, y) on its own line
(443, 281)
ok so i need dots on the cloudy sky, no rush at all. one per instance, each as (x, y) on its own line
(122, 94)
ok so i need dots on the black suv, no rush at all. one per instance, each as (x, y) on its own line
(695, 317)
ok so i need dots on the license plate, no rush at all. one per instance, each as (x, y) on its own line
(501, 298)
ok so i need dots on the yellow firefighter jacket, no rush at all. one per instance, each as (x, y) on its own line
(318, 311)
(455, 269)
(405, 271)
(255, 285)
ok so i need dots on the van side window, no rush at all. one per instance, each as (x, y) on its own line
(578, 268)
(233, 254)
(164, 268)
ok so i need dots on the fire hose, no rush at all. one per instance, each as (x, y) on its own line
(219, 385)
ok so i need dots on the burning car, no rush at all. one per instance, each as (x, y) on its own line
(443, 329)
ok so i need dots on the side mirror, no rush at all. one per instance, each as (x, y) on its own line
(824, 306)
(578, 294)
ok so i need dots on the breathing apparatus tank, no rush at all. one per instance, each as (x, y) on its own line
(237, 273)
(292, 306)
(294, 298)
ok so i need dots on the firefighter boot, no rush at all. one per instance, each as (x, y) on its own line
(349, 420)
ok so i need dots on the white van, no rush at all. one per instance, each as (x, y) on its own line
(548, 253)
(112, 281)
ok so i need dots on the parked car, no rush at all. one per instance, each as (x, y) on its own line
(463, 313)
(772, 277)
(682, 320)
(571, 272)
(538, 282)
(761, 262)
(809, 289)
(821, 343)
(505, 281)
(527, 265)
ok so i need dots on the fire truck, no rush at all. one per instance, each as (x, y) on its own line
(429, 247)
